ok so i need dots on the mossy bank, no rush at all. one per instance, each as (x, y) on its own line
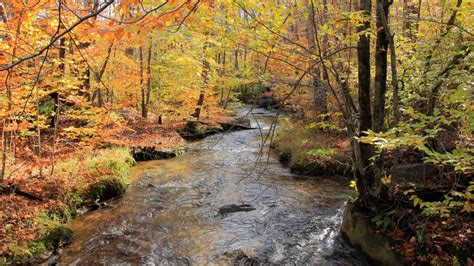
(75, 183)
(311, 151)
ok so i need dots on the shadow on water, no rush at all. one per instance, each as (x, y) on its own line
(172, 212)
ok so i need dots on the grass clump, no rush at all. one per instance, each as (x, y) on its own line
(312, 151)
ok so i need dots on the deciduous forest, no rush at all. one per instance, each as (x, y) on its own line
(308, 132)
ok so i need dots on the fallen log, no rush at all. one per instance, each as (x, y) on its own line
(16, 190)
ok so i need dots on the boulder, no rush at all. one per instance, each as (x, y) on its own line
(415, 173)
(151, 153)
(360, 231)
(196, 130)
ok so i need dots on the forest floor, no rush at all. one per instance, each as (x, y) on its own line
(73, 175)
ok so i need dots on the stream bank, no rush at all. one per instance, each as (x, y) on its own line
(311, 151)
(40, 204)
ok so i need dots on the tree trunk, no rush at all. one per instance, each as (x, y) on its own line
(4, 154)
(148, 90)
(101, 74)
(205, 78)
(227, 99)
(363, 152)
(393, 65)
(236, 55)
(62, 68)
(142, 88)
(380, 87)
(381, 49)
(320, 96)
(418, 15)
(200, 102)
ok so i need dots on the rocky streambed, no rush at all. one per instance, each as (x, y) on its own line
(225, 201)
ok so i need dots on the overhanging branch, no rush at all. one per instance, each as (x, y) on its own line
(57, 37)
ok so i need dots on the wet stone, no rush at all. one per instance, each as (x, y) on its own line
(232, 208)
(141, 154)
(238, 257)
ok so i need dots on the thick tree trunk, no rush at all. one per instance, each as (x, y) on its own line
(393, 65)
(380, 87)
(395, 99)
(363, 152)
(381, 49)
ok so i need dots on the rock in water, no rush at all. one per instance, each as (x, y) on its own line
(361, 232)
(232, 208)
(238, 257)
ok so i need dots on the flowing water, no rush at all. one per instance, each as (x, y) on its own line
(170, 213)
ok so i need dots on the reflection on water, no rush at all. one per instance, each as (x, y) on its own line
(170, 214)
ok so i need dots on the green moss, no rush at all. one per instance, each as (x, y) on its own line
(179, 150)
(109, 171)
(19, 255)
(56, 237)
(113, 164)
(311, 151)
(106, 188)
(52, 235)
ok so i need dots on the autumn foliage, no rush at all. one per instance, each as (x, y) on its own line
(82, 82)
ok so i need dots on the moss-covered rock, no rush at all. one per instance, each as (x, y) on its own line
(196, 130)
(57, 237)
(310, 151)
(361, 232)
(105, 189)
(152, 153)
(111, 174)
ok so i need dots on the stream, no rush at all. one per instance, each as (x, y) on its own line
(171, 212)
